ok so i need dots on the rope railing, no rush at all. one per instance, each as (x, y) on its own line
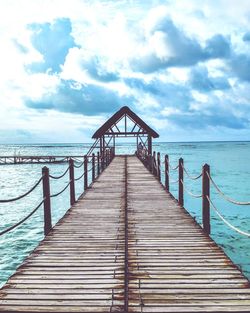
(61, 176)
(23, 195)
(190, 192)
(154, 166)
(103, 160)
(190, 176)
(222, 194)
(173, 168)
(22, 221)
(226, 221)
(79, 165)
(78, 178)
(60, 192)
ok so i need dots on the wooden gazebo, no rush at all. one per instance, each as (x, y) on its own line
(124, 123)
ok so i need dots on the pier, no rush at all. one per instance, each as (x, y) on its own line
(126, 245)
(37, 159)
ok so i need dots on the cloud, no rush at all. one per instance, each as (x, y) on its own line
(240, 64)
(73, 97)
(246, 37)
(217, 47)
(53, 41)
(169, 46)
(181, 64)
(97, 68)
(200, 80)
(199, 120)
(180, 106)
(170, 94)
(19, 46)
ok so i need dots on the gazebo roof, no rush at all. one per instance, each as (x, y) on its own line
(124, 111)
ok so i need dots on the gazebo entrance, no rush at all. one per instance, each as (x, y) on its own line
(123, 124)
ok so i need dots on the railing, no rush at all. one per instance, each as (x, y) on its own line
(153, 163)
(98, 162)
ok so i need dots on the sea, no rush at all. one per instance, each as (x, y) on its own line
(229, 166)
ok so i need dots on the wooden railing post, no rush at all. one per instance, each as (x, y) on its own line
(85, 172)
(181, 199)
(150, 163)
(159, 165)
(72, 182)
(93, 167)
(46, 204)
(98, 163)
(166, 173)
(108, 157)
(102, 160)
(105, 158)
(153, 164)
(205, 197)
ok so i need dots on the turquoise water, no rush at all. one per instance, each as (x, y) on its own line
(230, 168)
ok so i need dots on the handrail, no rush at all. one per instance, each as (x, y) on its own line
(58, 193)
(173, 168)
(78, 178)
(222, 194)
(190, 192)
(58, 177)
(23, 195)
(22, 221)
(80, 165)
(190, 176)
(226, 221)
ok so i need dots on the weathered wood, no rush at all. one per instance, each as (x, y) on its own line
(72, 182)
(47, 203)
(205, 201)
(181, 178)
(126, 246)
(166, 172)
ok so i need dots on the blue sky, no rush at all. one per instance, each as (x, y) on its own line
(66, 66)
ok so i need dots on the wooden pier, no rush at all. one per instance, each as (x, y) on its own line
(126, 246)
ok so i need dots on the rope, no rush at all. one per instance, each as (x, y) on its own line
(78, 166)
(173, 168)
(173, 181)
(57, 194)
(76, 179)
(225, 196)
(22, 221)
(90, 169)
(23, 195)
(190, 176)
(77, 160)
(226, 222)
(190, 192)
(58, 177)
(170, 166)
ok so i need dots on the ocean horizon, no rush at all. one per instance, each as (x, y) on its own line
(230, 168)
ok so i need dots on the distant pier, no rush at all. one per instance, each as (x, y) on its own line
(38, 159)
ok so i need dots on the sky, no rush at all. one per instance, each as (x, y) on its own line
(182, 66)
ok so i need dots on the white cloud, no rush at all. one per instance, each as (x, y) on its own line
(108, 35)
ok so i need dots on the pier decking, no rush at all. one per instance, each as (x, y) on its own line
(126, 246)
